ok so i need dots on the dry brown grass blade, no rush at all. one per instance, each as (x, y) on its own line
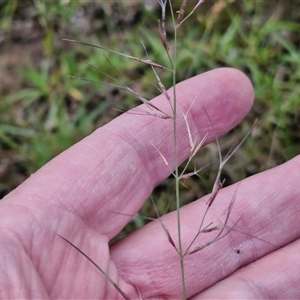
(140, 112)
(182, 9)
(163, 5)
(163, 37)
(181, 12)
(164, 227)
(215, 193)
(215, 239)
(207, 228)
(101, 271)
(198, 5)
(145, 61)
(148, 103)
(160, 86)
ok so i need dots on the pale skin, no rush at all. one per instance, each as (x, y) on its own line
(88, 193)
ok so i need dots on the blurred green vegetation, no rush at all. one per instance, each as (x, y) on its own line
(44, 110)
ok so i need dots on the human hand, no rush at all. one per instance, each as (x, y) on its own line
(88, 193)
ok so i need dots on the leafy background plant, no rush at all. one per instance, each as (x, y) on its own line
(43, 110)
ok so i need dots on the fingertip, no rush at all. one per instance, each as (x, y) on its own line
(236, 90)
(226, 94)
(239, 83)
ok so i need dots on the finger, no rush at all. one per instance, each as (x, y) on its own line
(266, 217)
(115, 168)
(275, 276)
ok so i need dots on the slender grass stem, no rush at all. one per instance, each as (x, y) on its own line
(177, 177)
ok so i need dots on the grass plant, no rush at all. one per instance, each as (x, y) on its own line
(154, 111)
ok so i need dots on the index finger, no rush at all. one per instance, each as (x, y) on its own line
(116, 168)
